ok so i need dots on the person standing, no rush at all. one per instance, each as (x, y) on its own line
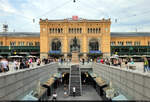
(126, 63)
(74, 91)
(83, 61)
(4, 63)
(15, 65)
(146, 64)
(54, 96)
(149, 63)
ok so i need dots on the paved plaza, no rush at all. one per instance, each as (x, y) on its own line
(139, 67)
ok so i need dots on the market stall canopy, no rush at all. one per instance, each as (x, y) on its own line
(31, 56)
(114, 56)
(15, 56)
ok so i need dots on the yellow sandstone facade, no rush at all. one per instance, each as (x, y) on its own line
(92, 36)
(65, 31)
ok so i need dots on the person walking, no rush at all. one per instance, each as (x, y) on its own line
(126, 63)
(146, 64)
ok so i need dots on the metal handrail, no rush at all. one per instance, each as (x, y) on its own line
(80, 81)
(69, 80)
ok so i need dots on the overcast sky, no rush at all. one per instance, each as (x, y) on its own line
(126, 15)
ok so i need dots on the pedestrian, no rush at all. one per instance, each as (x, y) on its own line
(102, 61)
(4, 63)
(54, 96)
(119, 62)
(146, 64)
(21, 65)
(1, 68)
(83, 61)
(149, 63)
(126, 63)
(15, 65)
(65, 91)
(74, 91)
(38, 62)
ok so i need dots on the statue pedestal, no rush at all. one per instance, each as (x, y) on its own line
(75, 57)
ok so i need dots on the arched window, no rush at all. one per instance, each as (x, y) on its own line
(96, 30)
(93, 45)
(58, 30)
(50, 30)
(61, 30)
(56, 45)
(99, 30)
(93, 30)
(69, 30)
(90, 30)
(80, 30)
(77, 30)
(55, 30)
(72, 30)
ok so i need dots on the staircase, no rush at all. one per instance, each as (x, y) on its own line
(75, 80)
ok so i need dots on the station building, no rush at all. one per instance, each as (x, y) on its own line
(94, 39)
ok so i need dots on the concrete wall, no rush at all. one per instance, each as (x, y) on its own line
(135, 86)
(15, 85)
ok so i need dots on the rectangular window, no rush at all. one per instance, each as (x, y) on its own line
(1, 43)
(128, 43)
(37, 43)
(137, 43)
(113, 43)
(120, 43)
(12, 43)
(21, 43)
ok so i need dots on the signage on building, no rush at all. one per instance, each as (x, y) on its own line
(54, 51)
(74, 17)
(95, 51)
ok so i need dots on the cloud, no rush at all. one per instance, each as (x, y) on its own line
(6, 7)
(129, 13)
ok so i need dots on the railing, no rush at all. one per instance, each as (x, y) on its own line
(69, 80)
(80, 82)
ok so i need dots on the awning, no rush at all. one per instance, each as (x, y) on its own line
(93, 75)
(49, 82)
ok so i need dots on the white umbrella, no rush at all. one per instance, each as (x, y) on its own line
(15, 56)
(31, 56)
